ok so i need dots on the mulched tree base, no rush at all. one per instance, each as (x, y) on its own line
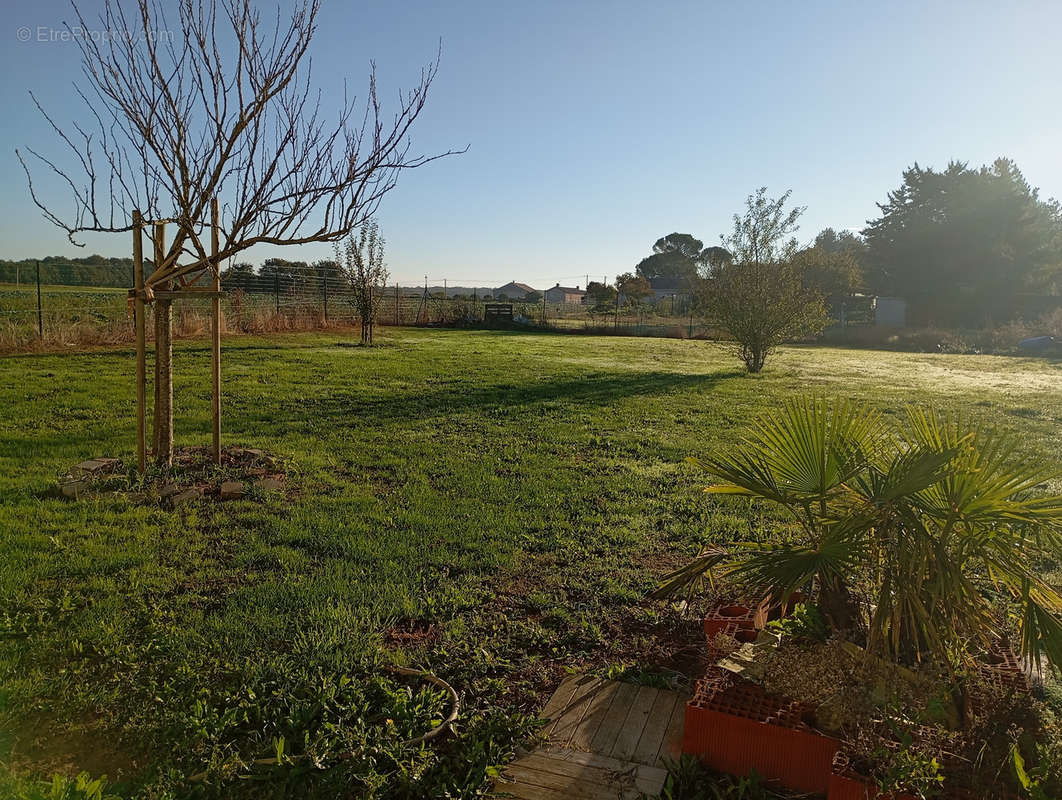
(244, 473)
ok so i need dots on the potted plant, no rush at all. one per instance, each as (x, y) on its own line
(907, 538)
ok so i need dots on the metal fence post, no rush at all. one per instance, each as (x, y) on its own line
(276, 287)
(40, 315)
(324, 289)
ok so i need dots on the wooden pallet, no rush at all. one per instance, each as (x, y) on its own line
(606, 740)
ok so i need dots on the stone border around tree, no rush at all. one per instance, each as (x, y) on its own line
(246, 473)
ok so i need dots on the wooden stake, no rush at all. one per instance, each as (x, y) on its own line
(163, 362)
(216, 330)
(141, 366)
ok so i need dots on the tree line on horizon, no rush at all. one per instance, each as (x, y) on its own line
(962, 246)
(94, 270)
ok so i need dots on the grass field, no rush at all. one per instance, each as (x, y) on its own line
(491, 506)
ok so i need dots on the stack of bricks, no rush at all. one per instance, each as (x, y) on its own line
(736, 726)
(733, 617)
(1000, 676)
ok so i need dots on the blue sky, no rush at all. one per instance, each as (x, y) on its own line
(596, 127)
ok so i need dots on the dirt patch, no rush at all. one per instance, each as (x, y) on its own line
(42, 748)
(410, 633)
(244, 473)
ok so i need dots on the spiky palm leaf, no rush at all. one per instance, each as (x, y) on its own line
(801, 454)
(918, 514)
(691, 578)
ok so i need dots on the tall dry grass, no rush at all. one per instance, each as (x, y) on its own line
(188, 323)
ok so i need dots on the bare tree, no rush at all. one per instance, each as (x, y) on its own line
(362, 261)
(218, 104)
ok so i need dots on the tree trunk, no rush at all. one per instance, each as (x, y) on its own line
(838, 605)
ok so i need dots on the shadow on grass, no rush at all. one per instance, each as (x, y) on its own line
(459, 397)
(299, 411)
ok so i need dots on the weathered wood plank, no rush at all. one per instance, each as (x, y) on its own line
(570, 716)
(605, 741)
(524, 791)
(671, 746)
(645, 779)
(607, 786)
(634, 724)
(648, 748)
(583, 736)
(559, 700)
(613, 720)
(597, 760)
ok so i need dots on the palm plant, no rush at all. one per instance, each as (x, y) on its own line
(928, 522)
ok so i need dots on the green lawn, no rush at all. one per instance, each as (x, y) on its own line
(487, 505)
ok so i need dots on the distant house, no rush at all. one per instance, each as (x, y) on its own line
(513, 290)
(565, 294)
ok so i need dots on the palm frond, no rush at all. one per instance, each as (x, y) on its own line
(991, 480)
(780, 569)
(1041, 634)
(692, 577)
(800, 453)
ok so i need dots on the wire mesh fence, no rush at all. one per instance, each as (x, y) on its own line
(293, 297)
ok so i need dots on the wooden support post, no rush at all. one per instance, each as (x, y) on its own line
(141, 367)
(163, 361)
(216, 331)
